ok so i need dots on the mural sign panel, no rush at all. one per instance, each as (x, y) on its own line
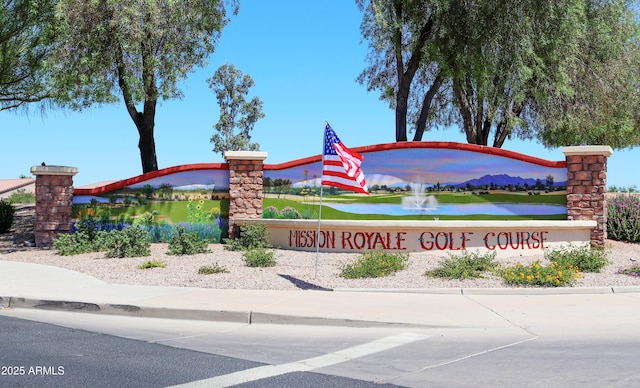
(438, 179)
(428, 196)
(421, 179)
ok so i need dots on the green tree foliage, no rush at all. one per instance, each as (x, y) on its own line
(564, 72)
(111, 50)
(601, 106)
(231, 87)
(23, 47)
(503, 59)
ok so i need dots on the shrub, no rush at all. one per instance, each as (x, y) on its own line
(259, 257)
(132, 241)
(186, 243)
(85, 237)
(465, 266)
(79, 242)
(309, 213)
(270, 212)
(374, 264)
(290, 213)
(211, 269)
(6, 216)
(552, 275)
(146, 219)
(623, 218)
(251, 237)
(152, 264)
(21, 196)
(583, 258)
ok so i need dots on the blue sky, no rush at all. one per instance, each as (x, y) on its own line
(304, 58)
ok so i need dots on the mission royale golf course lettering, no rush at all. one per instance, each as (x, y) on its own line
(427, 240)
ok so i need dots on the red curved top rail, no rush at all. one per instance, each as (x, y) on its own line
(150, 175)
(428, 144)
(317, 158)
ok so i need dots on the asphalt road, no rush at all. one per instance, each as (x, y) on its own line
(43, 355)
(115, 351)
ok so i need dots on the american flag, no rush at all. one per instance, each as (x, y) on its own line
(341, 166)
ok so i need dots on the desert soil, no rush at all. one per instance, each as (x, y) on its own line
(294, 270)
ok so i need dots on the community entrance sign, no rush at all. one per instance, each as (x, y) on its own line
(506, 238)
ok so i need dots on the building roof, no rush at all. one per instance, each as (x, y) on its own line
(8, 186)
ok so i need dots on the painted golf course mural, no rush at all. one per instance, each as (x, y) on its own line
(407, 181)
(428, 179)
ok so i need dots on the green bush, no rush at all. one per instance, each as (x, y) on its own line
(21, 196)
(79, 242)
(290, 213)
(251, 237)
(182, 243)
(374, 264)
(87, 236)
(583, 258)
(464, 266)
(131, 241)
(259, 257)
(6, 216)
(87, 229)
(211, 269)
(145, 219)
(623, 223)
(270, 212)
(552, 275)
(152, 264)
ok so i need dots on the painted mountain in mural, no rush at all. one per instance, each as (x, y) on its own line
(504, 180)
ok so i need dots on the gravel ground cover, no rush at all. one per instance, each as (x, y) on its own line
(294, 270)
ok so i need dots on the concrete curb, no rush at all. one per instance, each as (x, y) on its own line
(265, 317)
(247, 317)
(501, 291)
(128, 310)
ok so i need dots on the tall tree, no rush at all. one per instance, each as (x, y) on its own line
(136, 52)
(502, 55)
(564, 72)
(604, 76)
(23, 47)
(231, 87)
(399, 33)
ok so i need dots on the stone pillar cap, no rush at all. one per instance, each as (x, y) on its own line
(54, 170)
(245, 155)
(588, 150)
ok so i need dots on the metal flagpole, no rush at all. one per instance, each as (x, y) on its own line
(320, 202)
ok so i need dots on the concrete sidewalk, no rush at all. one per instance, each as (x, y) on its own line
(34, 286)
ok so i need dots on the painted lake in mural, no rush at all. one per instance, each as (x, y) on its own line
(452, 209)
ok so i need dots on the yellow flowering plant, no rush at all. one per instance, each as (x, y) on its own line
(535, 274)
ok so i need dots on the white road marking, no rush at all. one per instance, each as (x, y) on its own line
(267, 371)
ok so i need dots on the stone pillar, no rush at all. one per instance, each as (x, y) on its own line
(245, 186)
(54, 195)
(587, 187)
